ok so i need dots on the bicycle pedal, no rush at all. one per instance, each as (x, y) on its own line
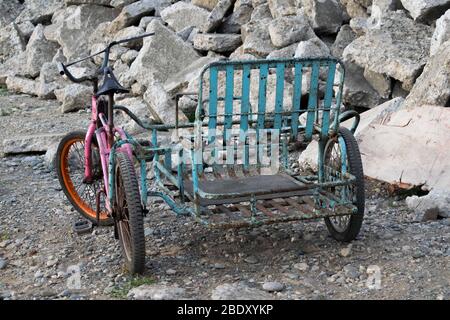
(82, 227)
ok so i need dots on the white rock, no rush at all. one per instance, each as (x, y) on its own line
(74, 97)
(441, 33)
(436, 200)
(426, 10)
(238, 291)
(157, 292)
(182, 14)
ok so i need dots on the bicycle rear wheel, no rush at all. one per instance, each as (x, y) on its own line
(128, 214)
(69, 164)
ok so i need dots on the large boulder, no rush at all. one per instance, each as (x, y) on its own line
(280, 8)
(344, 37)
(39, 50)
(355, 8)
(217, 15)
(9, 10)
(73, 26)
(161, 104)
(74, 97)
(182, 14)
(39, 11)
(162, 55)
(242, 13)
(441, 33)
(257, 40)
(416, 153)
(21, 85)
(426, 10)
(312, 48)
(30, 143)
(11, 42)
(287, 30)
(405, 48)
(207, 4)
(326, 16)
(217, 42)
(357, 90)
(432, 87)
(132, 13)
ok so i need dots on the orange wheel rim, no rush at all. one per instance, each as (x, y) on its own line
(87, 208)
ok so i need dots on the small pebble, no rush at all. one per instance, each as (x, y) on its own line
(273, 286)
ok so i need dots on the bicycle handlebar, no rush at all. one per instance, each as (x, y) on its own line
(62, 69)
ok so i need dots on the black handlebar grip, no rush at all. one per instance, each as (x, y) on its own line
(61, 68)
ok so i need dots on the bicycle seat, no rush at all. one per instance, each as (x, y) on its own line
(110, 84)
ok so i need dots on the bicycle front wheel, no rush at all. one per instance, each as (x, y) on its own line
(69, 164)
(128, 214)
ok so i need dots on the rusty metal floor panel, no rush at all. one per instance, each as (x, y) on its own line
(261, 184)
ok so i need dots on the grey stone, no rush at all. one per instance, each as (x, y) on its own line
(162, 55)
(326, 16)
(359, 26)
(207, 4)
(180, 80)
(242, 13)
(405, 48)
(432, 88)
(357, 90)
(120, 3)
(2, 263)
(73, 27)
(286, 52)
(238, 291)
(217, 15)
(161, 104)
(30, 143)
(140, 108)
(39, 11)
(426, 10)
(261, 12)
(344, 37)
(285, 31)
(441, 33)
(273, 286)
(129, 56)
(39, 50)
(312, 48)
(11, 42)
(257, 38)
(380, 82)
(354, 8)
(129, 32)
(132, 13)
(217, 42)
(437, 200)
(13, 66)
(380, 6)
(157, 292)
(9, 10)
(351, 271)
(280, 8)
(73, 97)
(25, 30)
(21, 85)
(182, 14)
(145, 21)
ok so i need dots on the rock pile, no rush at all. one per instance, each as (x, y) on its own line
(390, 47)
(395, 53)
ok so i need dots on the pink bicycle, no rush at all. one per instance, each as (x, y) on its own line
(84, 165)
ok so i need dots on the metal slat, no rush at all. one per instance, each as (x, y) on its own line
(328, 100)
(296, 98)
(279, 91)
(312, 101)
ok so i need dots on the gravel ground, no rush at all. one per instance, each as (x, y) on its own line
(39, 251)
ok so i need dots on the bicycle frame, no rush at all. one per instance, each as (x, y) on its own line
(105, 135)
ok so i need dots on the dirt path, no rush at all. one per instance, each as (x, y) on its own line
(38, 248)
